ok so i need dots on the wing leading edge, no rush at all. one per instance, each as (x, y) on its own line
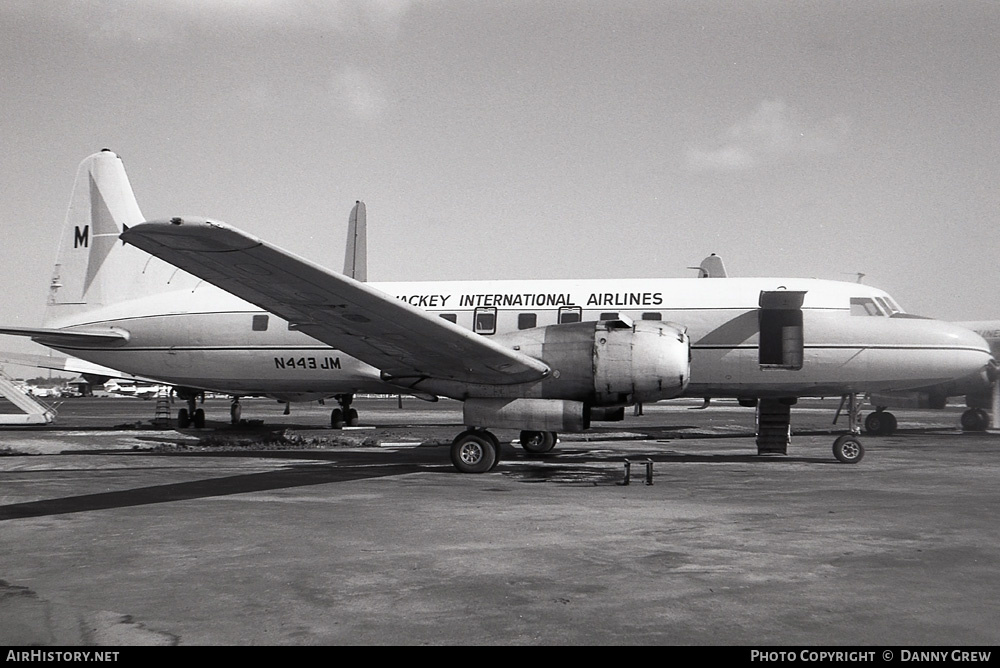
(405, 343)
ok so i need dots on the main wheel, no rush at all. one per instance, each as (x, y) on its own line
(538, 442)
(473, 452)
(848, 449)
(352, 418)
(234, 413)
(496, 446)
(881, 423)
(199, 419)
(337, 418)
(975, 419)
(183, 419)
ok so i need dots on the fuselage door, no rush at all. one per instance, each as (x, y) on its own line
(781, 341)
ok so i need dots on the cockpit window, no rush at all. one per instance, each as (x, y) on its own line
(864, 306)
(892, 308)
(888, 306)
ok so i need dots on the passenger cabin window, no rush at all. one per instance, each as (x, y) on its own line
(609, 316)
(570, 314)
(864, 306)
(259, 323)
(450, 317)
(652, 315)
(485, 320)
(526, 320)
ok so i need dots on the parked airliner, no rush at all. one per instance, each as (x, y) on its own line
(202, 306)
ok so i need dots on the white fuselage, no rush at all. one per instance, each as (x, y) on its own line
(208, 339)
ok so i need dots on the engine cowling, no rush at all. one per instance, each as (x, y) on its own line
(608, 363)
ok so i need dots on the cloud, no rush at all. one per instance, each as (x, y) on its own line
(771, 134)
(168, 21)
(360, 92)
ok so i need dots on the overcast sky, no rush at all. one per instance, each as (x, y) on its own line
(526, 139)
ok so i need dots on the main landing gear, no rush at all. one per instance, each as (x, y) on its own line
(880, 423)
(192, 416)
(345, 415)
(975, 419)
(478, 450)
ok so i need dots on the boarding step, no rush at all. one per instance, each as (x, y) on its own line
(35, 411)
(773, 427)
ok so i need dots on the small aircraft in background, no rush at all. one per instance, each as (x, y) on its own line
(131, 388)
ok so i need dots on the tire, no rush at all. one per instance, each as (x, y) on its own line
(235, 411)
(352, 418)
(975, 419)
(874, 423)
(880, 423)
(496, 445)
(538, 442)
(473, 453)
(848, 449)
(890, 424)
(199, 419)
(183, 419)
(337, 418)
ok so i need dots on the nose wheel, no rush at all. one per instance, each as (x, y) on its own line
(848, 448)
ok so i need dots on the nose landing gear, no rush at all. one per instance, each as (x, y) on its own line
(848, 448)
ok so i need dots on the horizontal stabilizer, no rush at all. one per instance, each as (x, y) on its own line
(68, 364)
(57, 338)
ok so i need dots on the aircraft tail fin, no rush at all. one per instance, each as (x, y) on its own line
(711, 267)
(356, 256)
(94, 267)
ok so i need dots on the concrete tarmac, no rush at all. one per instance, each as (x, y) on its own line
(114, 535)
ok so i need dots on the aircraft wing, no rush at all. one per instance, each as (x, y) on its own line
(405, 343)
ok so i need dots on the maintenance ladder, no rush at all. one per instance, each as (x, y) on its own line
(162, 416)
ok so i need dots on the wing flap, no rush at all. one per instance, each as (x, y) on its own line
(366, 323)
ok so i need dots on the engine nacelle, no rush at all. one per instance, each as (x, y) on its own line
(907, 399)
(532, 414)
(536, 414)
(608, 363)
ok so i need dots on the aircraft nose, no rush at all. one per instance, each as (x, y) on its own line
(966, 339)
(971, 348)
